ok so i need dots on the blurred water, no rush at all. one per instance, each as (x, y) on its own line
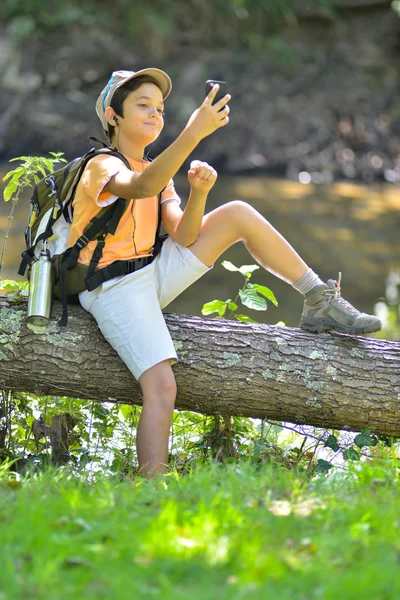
(339, 227)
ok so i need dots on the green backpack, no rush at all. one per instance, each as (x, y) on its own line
(50, 218)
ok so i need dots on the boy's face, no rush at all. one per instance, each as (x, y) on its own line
(143, 114)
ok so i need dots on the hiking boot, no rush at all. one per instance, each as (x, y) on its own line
(325, 310)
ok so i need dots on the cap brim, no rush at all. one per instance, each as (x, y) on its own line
(160, 76)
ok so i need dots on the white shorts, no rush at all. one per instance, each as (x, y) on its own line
(128, 308)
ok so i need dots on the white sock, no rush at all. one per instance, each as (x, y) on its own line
(307, 282)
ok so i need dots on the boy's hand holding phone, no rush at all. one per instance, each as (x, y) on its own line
(201, 176)
(211, 115)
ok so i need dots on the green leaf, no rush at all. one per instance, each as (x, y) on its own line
(222, 309)
(48, 164)
(215, 306)
(18, 174)
(232, 305)
(322, 466)
(247, 270)
(101, 410)
(351, 454)
(365, 439)
(127, 411)
(245, 318)
(11, 284)
(8, 175)
(229, 266)
(10, 189)
(251, 299)
(331, 442)
(58, 157)
(18, 171)
(19, 158)
(262, 289)
(42, 170)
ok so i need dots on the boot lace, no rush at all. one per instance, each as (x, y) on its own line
(335, 296)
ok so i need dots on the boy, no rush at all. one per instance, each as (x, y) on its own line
(128, 308)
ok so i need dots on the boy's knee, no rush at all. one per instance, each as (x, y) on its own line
(239, 208)
(166, 394)
(159, 388)
(163, 399)
(239, 212)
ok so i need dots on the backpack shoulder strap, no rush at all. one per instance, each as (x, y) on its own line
(104, 223)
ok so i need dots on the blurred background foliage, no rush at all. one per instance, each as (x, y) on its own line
(238, 23)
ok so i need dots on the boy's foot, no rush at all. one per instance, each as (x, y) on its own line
(325, 310)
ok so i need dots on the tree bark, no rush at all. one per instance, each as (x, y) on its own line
(226, 367)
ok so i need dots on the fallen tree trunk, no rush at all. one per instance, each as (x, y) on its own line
(255, 370)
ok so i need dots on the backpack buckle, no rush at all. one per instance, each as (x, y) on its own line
(82, 242)
(101, 241)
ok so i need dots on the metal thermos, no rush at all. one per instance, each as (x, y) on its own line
(41, 290)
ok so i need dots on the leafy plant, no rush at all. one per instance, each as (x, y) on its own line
(250, 295)
(365, 438)
(29, 172)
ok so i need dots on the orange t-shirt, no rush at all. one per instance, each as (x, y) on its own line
(136, 231)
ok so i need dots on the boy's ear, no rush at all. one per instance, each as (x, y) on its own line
(109, 114)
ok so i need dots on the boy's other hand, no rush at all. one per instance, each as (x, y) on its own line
(209, 117)
(201, 176)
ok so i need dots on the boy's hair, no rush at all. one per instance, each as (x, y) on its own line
(117, 101)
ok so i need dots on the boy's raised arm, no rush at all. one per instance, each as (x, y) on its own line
(203, 122)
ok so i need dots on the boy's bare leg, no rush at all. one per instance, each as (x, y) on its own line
(238, 221)
(159, 393)
(324, 308)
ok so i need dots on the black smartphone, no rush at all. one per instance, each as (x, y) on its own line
(223, 89)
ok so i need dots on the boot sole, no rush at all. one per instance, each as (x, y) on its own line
(323, 325)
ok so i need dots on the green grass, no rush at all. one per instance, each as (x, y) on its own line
(221, 532)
